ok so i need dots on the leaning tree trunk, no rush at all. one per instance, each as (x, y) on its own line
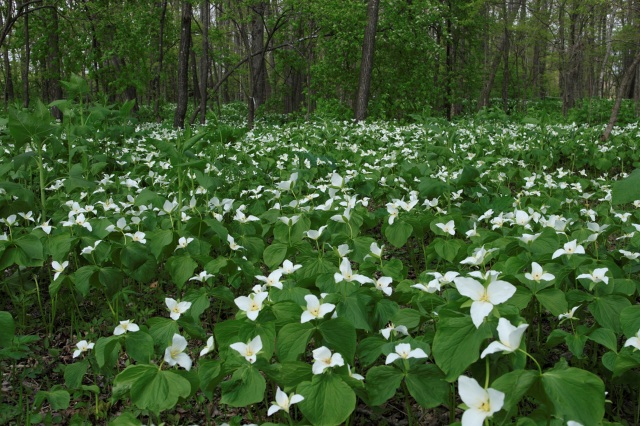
(53, 64)
(25, 63)
(157, 67)
(366, 65)
(624, 87)
(183, 66)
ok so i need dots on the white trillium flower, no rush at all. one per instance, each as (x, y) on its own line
(59, 268)
(250, 349)
(315, 309)
(251, 304)
(633, 341)
(273, 280)
(202, 276)
(386, 332)
(478, 256)
(288, 267)
(403, 351)
(324, 359)
(537, 274)
(125, 326)
(82, 346)
(138, 236)
(527, 238)
(183, 242)
(353, 374)
(447, 228)
(176, 308)
(482, 403)
(510, 338)
(174, 354)
(629, 255)
(384, 285)
(569, 248)
(209, 347)
(484, 298)
(313, 234)
(346, 274)
(343, 250)
(283, 402)
(569, 315)
(598, 275)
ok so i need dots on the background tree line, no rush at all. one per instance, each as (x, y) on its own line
(387, 58)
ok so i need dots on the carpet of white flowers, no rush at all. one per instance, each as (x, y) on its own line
(324, 273)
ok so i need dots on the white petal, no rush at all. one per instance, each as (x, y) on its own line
(417, 353)
(184, 361)
(496, 400)
(306, 317)
(471, 393)
(312, 301)
(469, 287)
(391, 357)
(479, 310)
(295, 399)
(495, 347)
(474, 417)
(500, 291)
(282, 399)
(273, 409)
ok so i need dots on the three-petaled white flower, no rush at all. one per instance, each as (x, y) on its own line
(209, 347)
(273, 280)
(484, 298)
(346, 274)
(447, 228)
(125, 326)
(174, 354)
(386, 332)
(633, 341)
(283, 402)
(176, 308)
(569, 248)
(251, 304)
(202, 276)
(248, 350)
(384, 285)
(315, 309)
(482, 403)
(59, 268)
(232, 243)
(510, 338)
(477, 257)
(288, 267)
(183, 242)
(403, 351)
(82, 346)
(324, 359)
(598, 275)
(138, 237)
(537, 273)
(569, 315)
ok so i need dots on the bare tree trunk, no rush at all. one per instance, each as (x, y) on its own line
(157, 67)
(366, 65)
(53, 64)
(257, 62)
(624, 87)
(183, 66)
(204, 61)
(25, 63)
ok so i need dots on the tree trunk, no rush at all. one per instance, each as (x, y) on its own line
(257, 62)
(54, 91)
(624, 87)
(25, 63)
(157, 68)
(204, 61)
(183, 66)
(366, 65)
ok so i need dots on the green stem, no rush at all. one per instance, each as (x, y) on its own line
(533, 359)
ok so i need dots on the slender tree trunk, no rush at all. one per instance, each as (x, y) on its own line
(624, 87)
(183, 66)
(8, 80)
(257, 62)
(157, 67)
(53, 64)
(204, 61)
(25, 63)
(366, 64)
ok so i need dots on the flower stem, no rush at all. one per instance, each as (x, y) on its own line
(533, 359)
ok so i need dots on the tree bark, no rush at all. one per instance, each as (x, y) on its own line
(257, 62)
(25, 62)
(54, 91)
(366, 65)
(204, 61)
(157, 67)
(624, 87)
(183, 66)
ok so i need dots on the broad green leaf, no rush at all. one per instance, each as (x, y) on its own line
(158, 390)
(427, 385)
(339, 335)
(382, 382)
(7, 329)
(290, 374)
(398, 233)
(292, 340)
(74, 373)
(139, 346)
(328, 401)
(181, 268)
(275, 254)
(605, 337)
(210, 374)
(606, 310)
(245, 387)
(106, 351)
(31, 252)
(457, 345)
(576, 394)
(553, 300)
(515, 384)
(58, 399)
(626, 190)
(370, 349)
(630, 320)
(162, 330)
